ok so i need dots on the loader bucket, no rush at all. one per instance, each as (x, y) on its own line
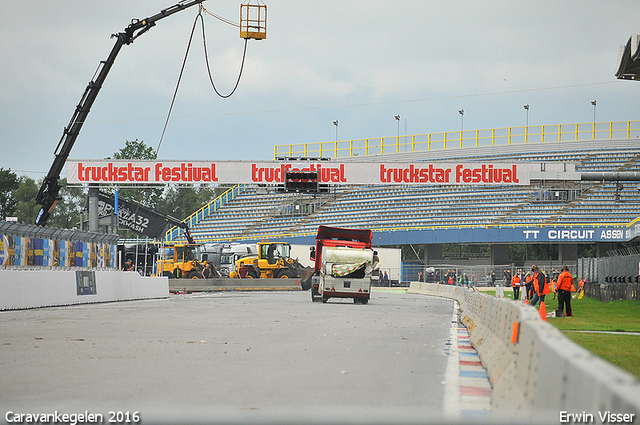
(305, 277)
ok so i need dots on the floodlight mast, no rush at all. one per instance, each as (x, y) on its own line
(48, 194)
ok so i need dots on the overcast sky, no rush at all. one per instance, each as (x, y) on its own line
(356, 61)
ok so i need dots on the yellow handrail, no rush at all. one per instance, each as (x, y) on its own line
(468, 138)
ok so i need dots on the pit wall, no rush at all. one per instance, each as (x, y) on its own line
(536, 372)
(22, 289)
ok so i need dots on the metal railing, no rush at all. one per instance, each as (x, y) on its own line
(463, 139)
(213, 206)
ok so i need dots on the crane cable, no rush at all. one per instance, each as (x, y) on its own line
(206, 56)
(225, 20)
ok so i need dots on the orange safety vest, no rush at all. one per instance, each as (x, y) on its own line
(536, 285)
(565, 281)
(515, 280)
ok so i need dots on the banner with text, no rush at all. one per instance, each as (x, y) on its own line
(132, 215)
(329, 172)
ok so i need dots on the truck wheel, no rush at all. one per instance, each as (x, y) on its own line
(285, 274)
(193, 274)
(364, 300)
(167, 274)
(324, 299)
(252, 274)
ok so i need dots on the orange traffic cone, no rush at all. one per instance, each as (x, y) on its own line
(543, 311)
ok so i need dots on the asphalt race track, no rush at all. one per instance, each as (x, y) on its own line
(235, 357)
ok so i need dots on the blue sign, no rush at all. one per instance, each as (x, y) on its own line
(494, 235)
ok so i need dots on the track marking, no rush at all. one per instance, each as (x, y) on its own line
(467, 388)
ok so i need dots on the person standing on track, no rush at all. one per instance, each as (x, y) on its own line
(540, 286)
(563, 288)
(206, 273)
(515, 285)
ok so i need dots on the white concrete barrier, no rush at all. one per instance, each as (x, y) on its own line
(226, 284)
(20, 289)
(537, 373)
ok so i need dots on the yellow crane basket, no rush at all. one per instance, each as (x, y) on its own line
(253, 21)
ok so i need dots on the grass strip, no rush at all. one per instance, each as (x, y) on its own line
(593, 315)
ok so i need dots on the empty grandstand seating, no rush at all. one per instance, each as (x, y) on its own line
(252, 214)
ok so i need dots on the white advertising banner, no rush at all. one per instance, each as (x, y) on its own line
(329, 172)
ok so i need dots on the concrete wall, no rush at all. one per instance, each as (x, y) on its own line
(227, 284)
(537, 372)
(20, 289)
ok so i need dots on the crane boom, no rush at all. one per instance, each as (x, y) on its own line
(48, 194)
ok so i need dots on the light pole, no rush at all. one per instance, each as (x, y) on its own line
(397, 117)
(594, 103)
(461, 112)
(335, 122)
(526, 127)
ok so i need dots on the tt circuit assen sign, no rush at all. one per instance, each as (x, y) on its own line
(329, 172)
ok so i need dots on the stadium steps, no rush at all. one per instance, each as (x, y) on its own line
(513, 210)
(253, 225)
(302, 223)
(551, 220)
(630, 163)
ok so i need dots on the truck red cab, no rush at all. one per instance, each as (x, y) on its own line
(344, 261)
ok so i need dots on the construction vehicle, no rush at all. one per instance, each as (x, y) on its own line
(48, 195)
(344, 264)
(182, 260)
(224, 255)
(272, 261)
(232, 253)
(176, 260)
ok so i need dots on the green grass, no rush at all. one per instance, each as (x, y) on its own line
(621, 350)
(593, 315)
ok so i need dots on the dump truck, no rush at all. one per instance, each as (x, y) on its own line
(344, 264)
(223, 256)
(272, 261)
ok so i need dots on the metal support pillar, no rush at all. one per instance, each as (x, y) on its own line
(93, 207)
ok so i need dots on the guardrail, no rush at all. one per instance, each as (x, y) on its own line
(24, 245)
(463, 139)
(537, 373)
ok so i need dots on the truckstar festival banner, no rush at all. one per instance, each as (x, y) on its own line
(329, 172)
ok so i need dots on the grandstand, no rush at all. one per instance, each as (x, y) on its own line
(567, 214)
(256, 213)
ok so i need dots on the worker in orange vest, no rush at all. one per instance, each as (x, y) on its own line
(528, 286)
(540, 286)
(515, 285)
(563, 288)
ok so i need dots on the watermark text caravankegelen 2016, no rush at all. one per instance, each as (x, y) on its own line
(119, 417)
